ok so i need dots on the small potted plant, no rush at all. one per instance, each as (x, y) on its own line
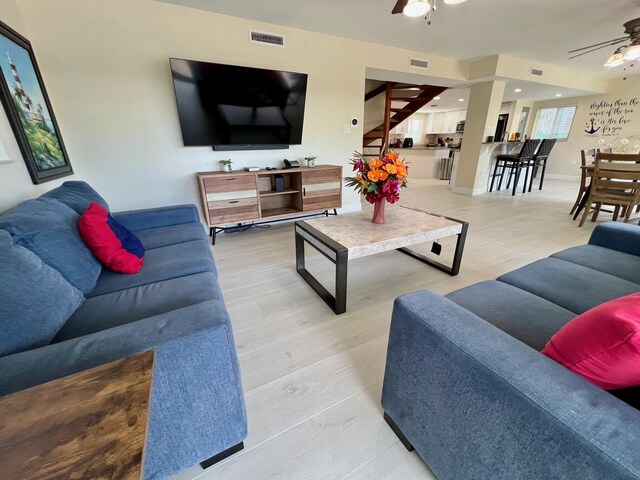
(311, 161)
(226, 165)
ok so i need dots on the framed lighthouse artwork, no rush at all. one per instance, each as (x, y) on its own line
(28, 109)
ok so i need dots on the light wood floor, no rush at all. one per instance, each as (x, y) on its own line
(313, 380)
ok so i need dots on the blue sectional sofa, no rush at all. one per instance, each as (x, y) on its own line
(61, 313)
(466, 384)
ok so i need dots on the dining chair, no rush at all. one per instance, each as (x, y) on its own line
(514, 163)
(539, 160)
(615, 181)
(587, 157)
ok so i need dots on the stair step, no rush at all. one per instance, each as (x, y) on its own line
(372, 136)
(402, 110)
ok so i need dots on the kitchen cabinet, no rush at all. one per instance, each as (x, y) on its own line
(452, 119)
(437, 125)
(445, 122)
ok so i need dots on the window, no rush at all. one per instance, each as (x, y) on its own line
(414, 129)
(554, 122)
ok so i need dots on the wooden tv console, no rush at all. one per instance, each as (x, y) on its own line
(242, 196)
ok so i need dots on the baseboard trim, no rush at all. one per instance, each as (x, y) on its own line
(469, 191)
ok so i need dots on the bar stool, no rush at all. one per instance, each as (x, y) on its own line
(514, 163)
(540, 160)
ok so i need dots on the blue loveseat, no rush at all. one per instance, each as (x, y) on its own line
(466, 384)
(61, 312)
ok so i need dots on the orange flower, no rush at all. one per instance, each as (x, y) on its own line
(393, 156)
(402, 171)
(377, 174)
(375, 163)
(391, 168)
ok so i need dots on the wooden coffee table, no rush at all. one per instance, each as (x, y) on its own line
(88, 425)
(352, 235)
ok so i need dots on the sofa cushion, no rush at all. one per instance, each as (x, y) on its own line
(605, 260)
(132, 304)
(603, 344)
(569, 285)
(160, 264)
(50, 230)
(35, 301)
(76, 195)
(523, 315)
(163, 236)
(113, 245)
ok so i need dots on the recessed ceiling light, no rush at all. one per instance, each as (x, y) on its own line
(461, 99)
(558, 94)
(454, 2)
(436, 98)
(518, 90)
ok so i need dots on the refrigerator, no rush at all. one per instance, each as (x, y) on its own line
(501, 127)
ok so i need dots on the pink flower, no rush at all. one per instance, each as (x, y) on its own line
(391, 190)
(371, 197)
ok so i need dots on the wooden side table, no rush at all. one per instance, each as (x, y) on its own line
(91, 424)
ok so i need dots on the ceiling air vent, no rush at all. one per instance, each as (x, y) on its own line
(264, 38)
(536, 72)
(417, 63)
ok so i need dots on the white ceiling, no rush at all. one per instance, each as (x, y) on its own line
(539, 30)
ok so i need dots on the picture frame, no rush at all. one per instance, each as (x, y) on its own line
(28, 108)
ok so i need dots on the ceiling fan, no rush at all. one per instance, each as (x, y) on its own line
(419, 8)
(628, 52)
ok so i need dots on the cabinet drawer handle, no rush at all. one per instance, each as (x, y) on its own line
(229, 179)
(304, 191)
(234, 201)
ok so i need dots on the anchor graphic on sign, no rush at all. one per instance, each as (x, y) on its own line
(592, 130)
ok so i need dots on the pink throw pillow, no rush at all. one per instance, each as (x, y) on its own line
(602, 344)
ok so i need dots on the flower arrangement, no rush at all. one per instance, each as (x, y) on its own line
(379, 179)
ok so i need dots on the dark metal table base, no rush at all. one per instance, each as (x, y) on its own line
(339, 256)
(241, 227)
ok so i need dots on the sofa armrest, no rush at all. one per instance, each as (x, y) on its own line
(623, 237)
(158, 217)
(33, 367)
(477, 403)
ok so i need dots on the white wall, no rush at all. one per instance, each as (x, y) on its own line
(565, 157)
(15, 183)
(105, 65)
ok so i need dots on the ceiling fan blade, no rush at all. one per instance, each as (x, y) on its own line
(400, 4)
(607, 43)
(592, 50)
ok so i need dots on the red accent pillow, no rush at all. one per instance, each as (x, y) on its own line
(602, 344)
(111, 243)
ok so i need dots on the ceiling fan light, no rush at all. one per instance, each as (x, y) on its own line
(615, 60)
(633, 52)
(416, 8)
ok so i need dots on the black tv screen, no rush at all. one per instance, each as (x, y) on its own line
(228, 105)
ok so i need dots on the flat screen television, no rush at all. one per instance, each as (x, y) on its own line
(231, 107)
